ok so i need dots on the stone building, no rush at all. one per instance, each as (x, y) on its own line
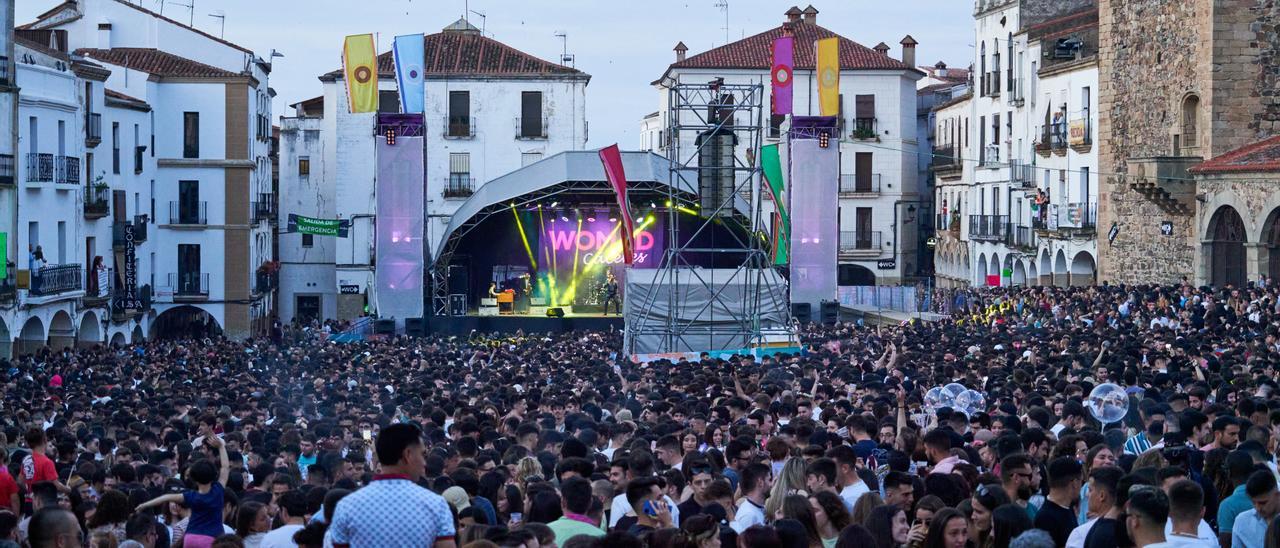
(1179, 82)
(1238, 215)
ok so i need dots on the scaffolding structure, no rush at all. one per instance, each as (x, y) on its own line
(714, 134)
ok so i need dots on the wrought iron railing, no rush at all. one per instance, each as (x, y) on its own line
(52, 280)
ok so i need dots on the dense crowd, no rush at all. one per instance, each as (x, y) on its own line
(553, 440)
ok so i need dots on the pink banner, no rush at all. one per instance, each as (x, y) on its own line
(612, 160)
(783, 62)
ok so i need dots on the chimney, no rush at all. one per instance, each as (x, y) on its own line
(793, 15)
(681, 49)
(104, 35)
(940, 70)
(811, 15)
(909, 51)
(882, 48)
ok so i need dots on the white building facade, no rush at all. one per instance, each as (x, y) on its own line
(490, 110)
(880, 191)
(197, 108)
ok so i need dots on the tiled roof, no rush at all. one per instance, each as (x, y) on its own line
(72, 5)
(455, 53)
(1263, 155)
(42, 48)
(756, 52)
(156, 62)
(122, 97)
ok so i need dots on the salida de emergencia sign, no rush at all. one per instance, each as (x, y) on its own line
(319, 227)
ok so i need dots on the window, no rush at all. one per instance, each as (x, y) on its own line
(62, 242)
(459, 114)
(775, 126)
(459, 174)
(304, 166)
(191, 135)
(862, 175)
(137, 149)
(527, 158)
(982, 70)
(33, 134)
(308, 240)
(62, 138)
(982, 140)
(188, 207)
(864, 113)
(189, 278)
(531, 126)
(115, 148)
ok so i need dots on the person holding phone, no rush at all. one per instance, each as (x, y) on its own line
(652, 513)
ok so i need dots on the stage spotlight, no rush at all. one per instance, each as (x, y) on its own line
(824, 140)
(553, 204)
(564, 218)
(653, 205)
(613, 219)
(391, 136)
(591, 219)
(668, 203)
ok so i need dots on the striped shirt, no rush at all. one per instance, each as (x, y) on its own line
(1137, 445)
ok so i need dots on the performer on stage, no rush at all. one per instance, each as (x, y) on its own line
(611, 294)
(493, 290)
(526, 296)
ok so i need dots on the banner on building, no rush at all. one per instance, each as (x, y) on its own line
(401, 219)
(1077, 133)
(783, 64)
(409, 53)
(318, 227)
(771, 162)
(829, 76)
(360, 68)
(612, 161)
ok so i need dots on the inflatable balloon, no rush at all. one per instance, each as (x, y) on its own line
(1108, 403)
(971, 402)
(933, 399)
(950, 392)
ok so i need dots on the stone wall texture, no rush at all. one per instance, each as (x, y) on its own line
(1154, 54)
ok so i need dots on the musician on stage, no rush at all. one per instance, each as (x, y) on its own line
(611, 293)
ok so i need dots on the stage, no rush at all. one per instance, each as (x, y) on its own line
(462, 325)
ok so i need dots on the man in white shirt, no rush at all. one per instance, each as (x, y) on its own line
(1072, 417)
(757, 480)
(1186, 526)
(638, 465)
(1103, 483)
(293, 510)
(851, 486)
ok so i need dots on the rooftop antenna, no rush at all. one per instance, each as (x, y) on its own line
(221, 16)
(565, 58)
(722, 5)
(191, 21)
(482, 20)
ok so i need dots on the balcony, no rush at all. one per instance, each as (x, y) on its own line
(265, 208)
(1021, 237)
(866, 185)
(67, 170)
(459, 186)
(459, 127)
(97, 201)
(97, 286)
(54, 280)
(860, 243)
(188, 213)
(92, 129)
(39, 168)
(189, 285)
(989, 228)
(137, 158)
(121, 231)
(8, 169)
(1022, 174)
(1068, 220)
(947, 162)
(864, 129)
(1053, 138)
(532, 129)
(265, 282)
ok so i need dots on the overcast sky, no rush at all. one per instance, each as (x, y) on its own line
(624, 45)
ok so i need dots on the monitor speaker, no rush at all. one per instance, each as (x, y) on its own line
(555, 312)
(415, 327)
(830, 312)
(384, 327)
(802, 312)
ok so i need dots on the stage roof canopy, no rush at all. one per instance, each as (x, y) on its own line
(567, 176)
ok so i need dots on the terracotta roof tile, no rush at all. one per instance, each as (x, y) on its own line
(154, 61)
(1263, 155)
(756, 52)
(117, 95)
(452, 53)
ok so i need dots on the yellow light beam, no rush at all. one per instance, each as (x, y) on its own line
(573, 277)
(533, 261)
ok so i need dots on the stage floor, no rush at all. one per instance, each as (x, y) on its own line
(462, 325)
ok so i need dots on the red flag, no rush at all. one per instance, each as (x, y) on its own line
(612, 160)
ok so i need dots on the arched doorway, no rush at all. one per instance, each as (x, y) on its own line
(62, 333)
(135, 337)
(1082, 269)
(1019, 274)
(1226, 238)
(90, 332)
(1046, 268)
(6, 340)
(31, 338)
(183, 322)
(853, 274)
(117, 340)
(981, 271)
(1060, 269)
(1033, 275)
(1271, 242)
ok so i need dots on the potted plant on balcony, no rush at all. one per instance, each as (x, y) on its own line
(863, 133)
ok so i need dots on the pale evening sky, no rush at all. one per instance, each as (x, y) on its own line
(623, 45)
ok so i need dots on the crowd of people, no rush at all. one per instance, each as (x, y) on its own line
(540, 440)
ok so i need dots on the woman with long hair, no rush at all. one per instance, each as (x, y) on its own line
(797, 507)
(1098, 456)
(950, 529)
(862, 510)
(985, 501)
(789, 482)
(888, 525)
(703, 531)
(1007, 522)
(830, 514)
(689, 442)
(712, 438)
(112, 513)
(252, 523)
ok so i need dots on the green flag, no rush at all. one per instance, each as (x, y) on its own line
(772, 164)
(318, 227)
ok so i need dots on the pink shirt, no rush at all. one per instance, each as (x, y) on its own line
(947, 465)
(55, 381)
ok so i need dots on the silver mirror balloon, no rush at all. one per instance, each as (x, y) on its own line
(1108, 403)
(933, 399)
(970, 402)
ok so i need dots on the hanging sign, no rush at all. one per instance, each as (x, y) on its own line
(319, 227)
